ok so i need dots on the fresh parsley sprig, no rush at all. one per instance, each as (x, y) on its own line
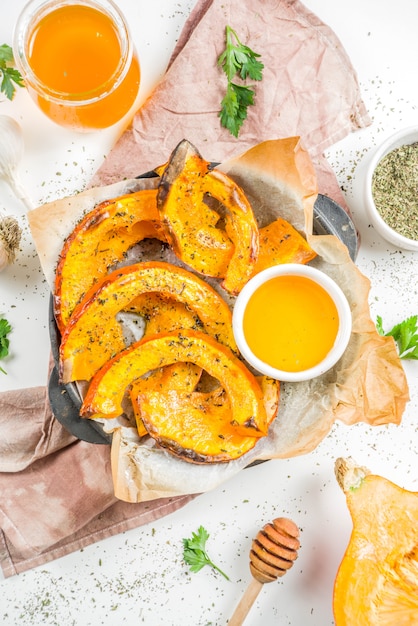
(237, 60)
(5, 329)
(194, 552)
(10, 77)
(405, 334)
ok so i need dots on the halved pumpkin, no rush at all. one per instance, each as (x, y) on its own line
(107, 388)
(195, 426)
(377, 580)
(99, 241)
(93, 335)
(281, 243)
(229, 252)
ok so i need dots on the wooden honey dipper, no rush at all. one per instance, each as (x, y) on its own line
(273, 552)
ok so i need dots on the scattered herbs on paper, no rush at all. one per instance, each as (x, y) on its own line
(394, 189)
(405, 334)
(5, 329)
(10, 77)
(238, 61)
(194, 552)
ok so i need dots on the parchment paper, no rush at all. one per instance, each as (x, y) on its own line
(368, 384)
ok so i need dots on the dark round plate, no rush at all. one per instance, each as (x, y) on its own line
(329, 218)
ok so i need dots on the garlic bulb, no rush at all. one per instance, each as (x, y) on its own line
(10, 235)
(11, 153)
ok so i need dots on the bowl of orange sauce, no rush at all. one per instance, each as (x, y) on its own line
(292, 322)
(78, 61)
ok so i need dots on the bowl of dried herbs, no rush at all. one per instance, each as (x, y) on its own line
(391, 189)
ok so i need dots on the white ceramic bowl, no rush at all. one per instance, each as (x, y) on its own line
(344, 313)
(401, 138)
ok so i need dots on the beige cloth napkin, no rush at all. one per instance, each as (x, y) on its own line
(56, 492)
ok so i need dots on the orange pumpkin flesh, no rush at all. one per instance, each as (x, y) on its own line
(99, 241)
(107, 388)
(93, 334)
(281, 243)
(195, 426)
(163, 314)
(178, 376)
(192, 224)
(377, 581)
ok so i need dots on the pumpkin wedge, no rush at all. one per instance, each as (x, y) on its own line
(195, 426)
(281, 243)
(107, 388)
(99, 241)
(93, 334)
(178, 376)
(377, 581)
(164, 314)
(193, 226)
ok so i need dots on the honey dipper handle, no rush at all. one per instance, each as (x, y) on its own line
(245, 603)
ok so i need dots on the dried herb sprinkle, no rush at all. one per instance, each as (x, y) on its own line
(395, 189)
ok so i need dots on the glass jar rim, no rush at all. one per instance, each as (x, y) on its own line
(30, 16)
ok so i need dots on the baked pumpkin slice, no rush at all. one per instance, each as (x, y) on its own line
(104, 397)
(93, 334)
(99, 241)
(163, 314)
(194, 226)
(281, 243)
(195, 426)
(178, 376)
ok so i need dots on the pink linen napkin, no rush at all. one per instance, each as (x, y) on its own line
(56, 492)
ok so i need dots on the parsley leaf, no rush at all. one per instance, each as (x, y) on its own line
(194, 552)
(237, 60)
(9, 76)
(405, 334)
(5, 329)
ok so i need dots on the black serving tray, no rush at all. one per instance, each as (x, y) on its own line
(329, 218)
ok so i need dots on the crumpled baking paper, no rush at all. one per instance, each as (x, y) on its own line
(368, 384)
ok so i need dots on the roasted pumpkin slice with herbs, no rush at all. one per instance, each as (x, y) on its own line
(377, 581)
(107, 389)
(93, 334)
(195, 426)
(164, 314)
(281, 243)
(98, 242)
(178, 376)
(223, 246)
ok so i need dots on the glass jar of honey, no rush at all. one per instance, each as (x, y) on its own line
(78, 61)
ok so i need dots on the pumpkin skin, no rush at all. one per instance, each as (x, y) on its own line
(107, 388)
(99, 241)
(229, 253)
(377, 581)
(93, 335)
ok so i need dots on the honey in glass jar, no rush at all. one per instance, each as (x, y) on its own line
(78, 61)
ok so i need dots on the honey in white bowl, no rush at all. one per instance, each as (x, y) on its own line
(292, 322)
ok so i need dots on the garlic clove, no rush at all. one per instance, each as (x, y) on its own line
(11, 153)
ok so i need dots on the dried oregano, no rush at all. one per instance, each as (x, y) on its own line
(395, 189)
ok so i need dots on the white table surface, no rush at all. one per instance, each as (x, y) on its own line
(139, 577)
